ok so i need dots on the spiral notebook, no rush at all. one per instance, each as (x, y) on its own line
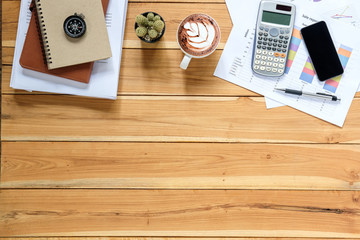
(32, 56)
(61, 50)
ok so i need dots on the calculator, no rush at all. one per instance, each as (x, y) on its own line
(274, 28)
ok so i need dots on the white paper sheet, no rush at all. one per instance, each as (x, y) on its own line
(105, 75)
(235, 66)
(346, 11)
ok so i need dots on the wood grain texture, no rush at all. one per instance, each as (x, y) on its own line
(140, 74)
(158, 238)
(179, 213)
(172, 15)
(190, 119)
(179, 165)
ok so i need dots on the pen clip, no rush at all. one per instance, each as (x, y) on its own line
(334, 98)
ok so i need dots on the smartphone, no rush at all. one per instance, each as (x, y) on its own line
(322, 51)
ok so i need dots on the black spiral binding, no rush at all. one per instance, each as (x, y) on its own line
(43, 37)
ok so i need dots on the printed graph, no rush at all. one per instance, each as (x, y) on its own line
(308, 72)
(344, 55)
(294, 46)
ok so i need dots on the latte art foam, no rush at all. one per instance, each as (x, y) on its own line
(198, 35)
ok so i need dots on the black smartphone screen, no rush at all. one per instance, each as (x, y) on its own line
(322, 51)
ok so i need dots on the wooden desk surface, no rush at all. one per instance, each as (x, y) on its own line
(178, 155)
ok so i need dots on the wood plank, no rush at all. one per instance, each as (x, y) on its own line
(179, 166)
(140, 74)
(173, 13)
(154, 72)
(159, 238)
(179, 213)
(164, 119)
(7, 55)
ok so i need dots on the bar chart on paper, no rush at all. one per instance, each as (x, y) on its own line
(344, 55)
(294, 46)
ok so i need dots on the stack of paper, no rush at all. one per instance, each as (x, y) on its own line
(105, 75)
(235, 63)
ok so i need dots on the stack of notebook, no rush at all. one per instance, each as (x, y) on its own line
(66, 65)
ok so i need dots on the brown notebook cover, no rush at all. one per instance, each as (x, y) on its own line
(32, 55)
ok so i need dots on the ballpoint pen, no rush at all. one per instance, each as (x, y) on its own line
(315, 95)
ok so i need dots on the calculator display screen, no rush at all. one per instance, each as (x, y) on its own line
(277, 18)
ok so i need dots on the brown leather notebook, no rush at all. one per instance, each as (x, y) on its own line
(32, 56)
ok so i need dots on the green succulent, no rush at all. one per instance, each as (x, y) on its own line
(141, 20)
(151, 23)
(149, 27)
(157, 17)
(153, 34)
(141, 31)
(159, 25)
(150, 16)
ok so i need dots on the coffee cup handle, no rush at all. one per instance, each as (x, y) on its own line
(185, 62)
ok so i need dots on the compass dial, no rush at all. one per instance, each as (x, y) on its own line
(74, 26)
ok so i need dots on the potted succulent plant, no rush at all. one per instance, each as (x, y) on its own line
(149, 26)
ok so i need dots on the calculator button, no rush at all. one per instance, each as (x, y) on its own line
(268, 69)
(287, 31)
(259, 42)
(271, 53)
(260, 38)
(265, 34)
(276, 54)
(257, 62)
(276, 60)
(280, 41)
(263, 57)
(286, 42)
(280, 71)
(281, 65)
(286, 37)
(266, 29)
(269, 64)
(264, 52)
(282, 60)
(275, 40)
(261, 28)
(274, 32)
(283, 55)
(264, 47)
(258, 51)
(258, 46)
(282, 32)
(262, 68)
(263, 63)
(256, 67)
(280, 45)
(275, 44)
(270, 59)
(275, 64)
(274, 49)
(264, 43)
(258, 57)
(281, 37)
(265, 39)
(270, 39)
(269, 48)
(274, 70)
(284, 50)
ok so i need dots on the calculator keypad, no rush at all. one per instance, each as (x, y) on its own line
(271, 50)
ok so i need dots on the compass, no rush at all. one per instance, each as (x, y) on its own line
(75, 26)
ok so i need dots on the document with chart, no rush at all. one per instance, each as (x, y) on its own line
(235, 66)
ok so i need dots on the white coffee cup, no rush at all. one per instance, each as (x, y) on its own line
(202, 35)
